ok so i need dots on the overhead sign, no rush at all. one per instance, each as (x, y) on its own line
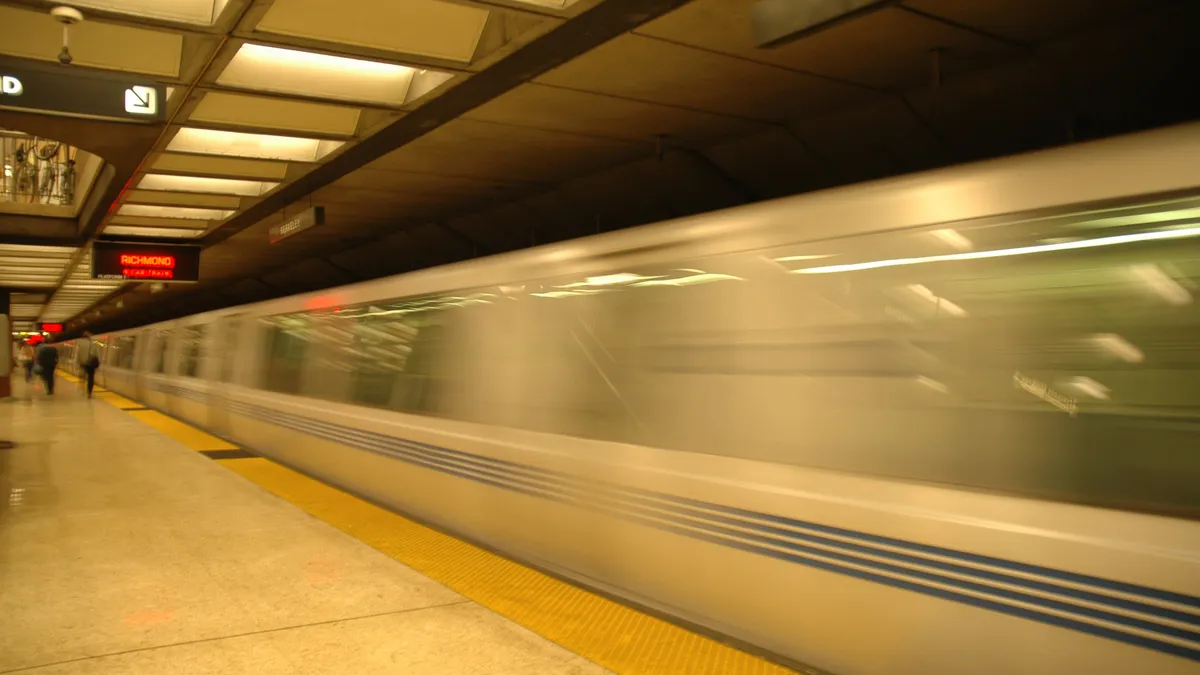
(75, 92)
(145, 262)
(310, 217)
(50, 327)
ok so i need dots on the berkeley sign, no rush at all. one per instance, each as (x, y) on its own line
(63, 90)
(310, 217)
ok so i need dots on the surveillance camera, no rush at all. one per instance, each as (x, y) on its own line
(64, 57)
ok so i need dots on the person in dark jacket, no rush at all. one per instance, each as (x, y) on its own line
(90, 365)
(47, 363)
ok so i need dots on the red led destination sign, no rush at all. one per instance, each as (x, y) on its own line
(51, 327)
(145, 262)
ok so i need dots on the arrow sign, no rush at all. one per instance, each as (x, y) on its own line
(141, 100)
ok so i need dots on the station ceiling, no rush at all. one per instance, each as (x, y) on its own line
(433, 131)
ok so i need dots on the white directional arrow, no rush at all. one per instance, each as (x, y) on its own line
(141, 100)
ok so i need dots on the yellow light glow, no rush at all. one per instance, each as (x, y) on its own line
(290, 71)
(173, 212)
(256, 146)
(1158, 235)
(224, 186)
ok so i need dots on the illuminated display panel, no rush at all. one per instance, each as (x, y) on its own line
(145, 262)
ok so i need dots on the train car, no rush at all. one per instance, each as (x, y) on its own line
(944, 422)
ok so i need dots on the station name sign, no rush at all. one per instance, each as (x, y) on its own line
(145, 262)
(310, 217)
(73, 92)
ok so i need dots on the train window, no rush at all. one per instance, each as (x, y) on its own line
(122, 351)
(192, 343)
(162, 342)
(327, 356)
(227, 352)
(285, 346)
(395, 354)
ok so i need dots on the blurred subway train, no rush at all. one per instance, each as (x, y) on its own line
(942, 423)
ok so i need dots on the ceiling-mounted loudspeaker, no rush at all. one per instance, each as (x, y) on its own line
(67, 16)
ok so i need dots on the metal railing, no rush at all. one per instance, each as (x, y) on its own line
(37, 170)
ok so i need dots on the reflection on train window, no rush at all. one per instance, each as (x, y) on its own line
(192, 342)
(285, 351)
(395, 354)
(121, 351)
(162, 342)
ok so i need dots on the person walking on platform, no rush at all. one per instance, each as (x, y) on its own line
(25, 358)
(47, 363)
(90, 365)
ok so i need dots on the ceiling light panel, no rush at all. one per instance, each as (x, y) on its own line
(210, 165)
(20, 249)
(338, 78)
(432, 28)
(255, 146)
(224, 186)
(272, 113)
(172, 212)
(197, 12)
(182, 199)
(145, 221)
(17, 280)
(170, 232)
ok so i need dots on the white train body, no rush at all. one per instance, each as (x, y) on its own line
(943, 423)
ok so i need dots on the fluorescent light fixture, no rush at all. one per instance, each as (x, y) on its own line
(196, 12)
(16, 280)
(170, 232)
(22, 248)
(224, 186)
(173, 212)
(1157, 235)
(256, 146)
(291, 71)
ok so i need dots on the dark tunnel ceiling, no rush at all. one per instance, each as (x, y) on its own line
(684, 115)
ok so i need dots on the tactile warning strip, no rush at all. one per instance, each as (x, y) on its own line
(619, 638)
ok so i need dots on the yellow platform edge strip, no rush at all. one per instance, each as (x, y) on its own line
(611, 635)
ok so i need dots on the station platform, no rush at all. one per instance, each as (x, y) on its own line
(133, 543)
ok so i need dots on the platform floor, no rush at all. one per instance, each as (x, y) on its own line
(131, 542)
(122, 551)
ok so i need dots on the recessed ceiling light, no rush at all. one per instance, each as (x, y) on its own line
(173, 212)
(225, 186)
(256, 146)
(198, 12)
(171, 232)
(291, 71)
